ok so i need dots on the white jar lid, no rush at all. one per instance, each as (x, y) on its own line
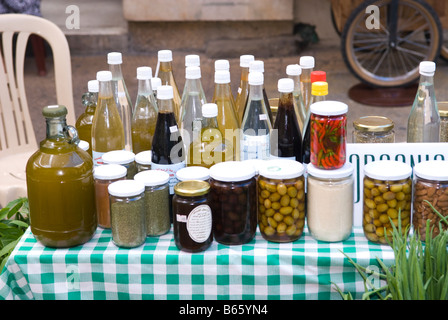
(293, 70)
(306, 62)
(118, 157)
(192, 60)
(256, 78)
(165, 92)
(193, 173)
(427, 68)
(93, 86)
(222, 76)
(285, 85)
(192, 72)
(245, 60)
(165, 55)
(387, 170)
(126, 188)
(328, 108)
(84, 145)
(144, 73)
(104, 76)
(432, 170)
(257, 164)
(256, 65)
(114, 58)
(282, 169)
(144, 157)
(109, 172)
(232, 171)
(209, 110)
(345, 171)
(151, 178)
(222, 65)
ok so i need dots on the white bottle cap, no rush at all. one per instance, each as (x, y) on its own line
(144, 73)
(222, 76)
(155, 83)
(256, 65)
(293, 70)
(285, 85)
(126, 188)
(165, 92)
(192, 60)
(165, 55)
(93, 86)
(222, 65)
(306, 62)
(209, 110)
(104, 76)
(192, 72)
(114, 58)
(245, 60)
(256, 78)
(427, 68)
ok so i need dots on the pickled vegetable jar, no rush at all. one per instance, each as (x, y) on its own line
(387, 197)
(233, 202)
(281, 200)
(328, 126)
(60, 186)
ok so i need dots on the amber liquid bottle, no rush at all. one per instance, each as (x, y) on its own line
(84, 122)
(243, 89)
(60, 186)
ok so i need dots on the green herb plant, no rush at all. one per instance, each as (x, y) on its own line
(14, 220)
(420, 269)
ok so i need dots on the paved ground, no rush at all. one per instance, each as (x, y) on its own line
(40, 90)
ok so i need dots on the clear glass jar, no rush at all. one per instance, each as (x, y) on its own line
(373, 129)
(281, 200)
(387, 192)
(157, 197)
(233, 202)
(328, 126)
(103, 176)
(192, 223)
(330, 203)
(193, 173)
(124, 158)
(430, 184)
(127, 213)
(143, 160)
(443, 112)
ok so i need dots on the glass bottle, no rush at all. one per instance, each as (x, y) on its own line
(286, 139)
(228, 122)
(60, 185)
(424, 119)
(107, 128)
(155, 83)
(243, 89)
(256, 126)
(166, 74)
(124, 104)
(307, 65)
(145, 112)
(168, 153)
(84, 122)
(258, 66)
(294, 71)
(193, 98)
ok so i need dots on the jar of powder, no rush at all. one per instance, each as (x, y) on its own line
(124, 158)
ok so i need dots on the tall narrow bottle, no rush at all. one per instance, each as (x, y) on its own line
(227, 118)
(84, 122)
(107, 128)
(155, 83)
(165, 72)
(114, 59)
(258, 66)
(424, 119)
(145, 112)
(193, 97)
(243, 89)
(168, 153)
(294, 71)
(256, 126)
(307, 65)
(286, 138)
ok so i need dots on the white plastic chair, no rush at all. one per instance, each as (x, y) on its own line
(17, 137)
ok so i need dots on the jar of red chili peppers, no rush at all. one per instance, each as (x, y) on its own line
(328, 126)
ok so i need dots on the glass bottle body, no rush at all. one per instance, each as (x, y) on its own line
(166, 75)
(307, 134)
(300, 115)
(305, 90)
(84, 122)
(243, 93)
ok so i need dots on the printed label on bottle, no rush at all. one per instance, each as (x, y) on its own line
(254, 147)
(171, 169)
(173, 129)
(97, 158)
(199, 223)
(263, 116)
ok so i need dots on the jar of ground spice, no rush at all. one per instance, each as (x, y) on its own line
(143, 160)
(233, 200)
(192, 223)
(373, 129)
(104, 175)
(124, 158)
(193, 173)
(157, 196)
(127, 213)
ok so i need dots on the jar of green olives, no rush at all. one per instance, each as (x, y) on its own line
(281, 200)
(387, 199)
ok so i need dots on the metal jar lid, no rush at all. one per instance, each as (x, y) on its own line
(192, 188)
(373, 124)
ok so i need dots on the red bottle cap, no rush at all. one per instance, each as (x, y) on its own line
(318, 76)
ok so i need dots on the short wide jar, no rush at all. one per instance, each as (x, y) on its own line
(281, 200)
(233, 202)
(192, 216)
(330, 203)
(387, 196)
(124, 158)
(127, 209)
(373, 129)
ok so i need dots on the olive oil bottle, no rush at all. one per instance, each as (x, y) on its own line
(243, 89)
(84, 122)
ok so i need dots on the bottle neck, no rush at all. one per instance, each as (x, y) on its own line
(165, 105)
(426, 80)
(209, 122)
(116, 71)
(285, 99)
(144, 87)
(244, 75)
(105, 89)
(165, 66)
(296, 80)
(193, 85)
(222, 90)
(256, 92)
(55, 128)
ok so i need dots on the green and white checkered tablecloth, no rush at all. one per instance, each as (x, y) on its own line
(303, 269)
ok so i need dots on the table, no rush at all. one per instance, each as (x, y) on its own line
(304, 269)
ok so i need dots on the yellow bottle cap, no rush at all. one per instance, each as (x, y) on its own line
(319, 88)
